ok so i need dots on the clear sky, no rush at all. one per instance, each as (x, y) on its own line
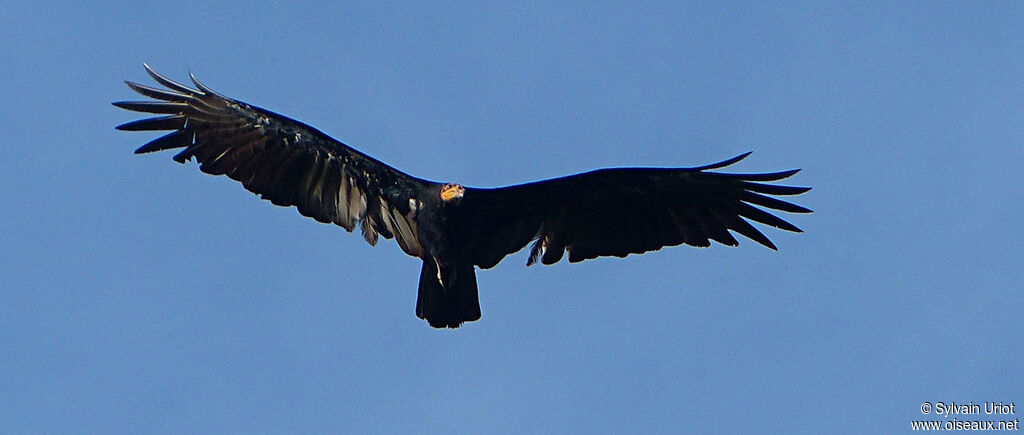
(139, 295)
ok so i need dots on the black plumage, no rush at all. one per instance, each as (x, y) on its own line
(454, 229)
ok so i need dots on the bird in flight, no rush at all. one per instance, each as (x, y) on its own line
(455, 229)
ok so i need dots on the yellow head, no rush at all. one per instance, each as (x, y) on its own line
(452, 193)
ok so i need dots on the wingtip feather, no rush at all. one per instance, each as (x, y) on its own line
(202, 87)
(723, 163)
(167, 82)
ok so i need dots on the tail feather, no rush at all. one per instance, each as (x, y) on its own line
(447, 305)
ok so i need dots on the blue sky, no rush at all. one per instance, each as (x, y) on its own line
(139, 295)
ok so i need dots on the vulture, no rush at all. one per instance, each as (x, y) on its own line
(455, 229)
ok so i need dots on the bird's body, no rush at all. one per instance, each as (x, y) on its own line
(452, 228)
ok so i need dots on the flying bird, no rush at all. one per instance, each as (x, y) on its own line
(455, 229)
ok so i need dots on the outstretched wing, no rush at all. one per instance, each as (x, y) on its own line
(621, 211)
(281, 159)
